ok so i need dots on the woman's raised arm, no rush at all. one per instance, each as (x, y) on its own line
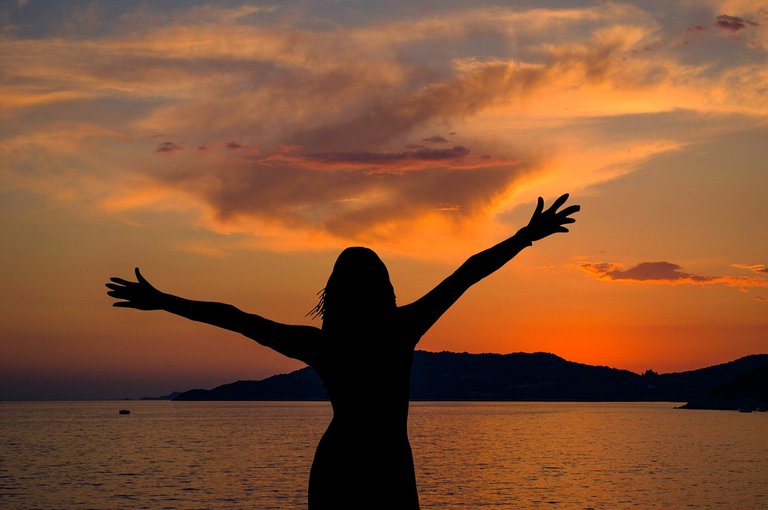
(298, 342)
(420, 315)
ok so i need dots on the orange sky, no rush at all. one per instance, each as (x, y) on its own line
(232, 150)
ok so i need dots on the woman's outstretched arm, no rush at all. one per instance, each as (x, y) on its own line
(423, 313)
(293, 341)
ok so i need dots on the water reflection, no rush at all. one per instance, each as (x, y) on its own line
(492, 455)
(607, 455)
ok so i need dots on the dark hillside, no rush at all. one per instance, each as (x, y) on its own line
(511, 377)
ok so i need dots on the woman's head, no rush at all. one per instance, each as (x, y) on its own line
(358, 291)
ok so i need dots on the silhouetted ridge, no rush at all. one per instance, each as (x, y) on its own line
(303, 384)
(745, 391)
(518, 376)
(170, 396)
(507, 377)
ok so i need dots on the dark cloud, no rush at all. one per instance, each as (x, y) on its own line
(666, 273)
(733, 23)
(345, 106)
(168, 147)
(343, 114)
(645, 271)
(394, 113)
(202, 148)
(760, 298)
(384, 158)
(347, 202)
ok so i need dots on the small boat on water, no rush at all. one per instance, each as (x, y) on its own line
(746, 409)
(124, 411)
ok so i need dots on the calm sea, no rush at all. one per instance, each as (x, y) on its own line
(217, 455)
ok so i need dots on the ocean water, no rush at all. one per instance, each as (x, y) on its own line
(234, 455)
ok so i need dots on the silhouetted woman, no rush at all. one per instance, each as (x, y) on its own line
(363, 354)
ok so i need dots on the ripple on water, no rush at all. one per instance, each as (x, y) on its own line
(182, 456)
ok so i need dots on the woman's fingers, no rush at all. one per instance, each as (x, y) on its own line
(560, 201)
(121, 281)
(553, 209)
(130, 294)
(539, 208)
(123, 304)
(570, 210)
(120, 295)
(139, 276)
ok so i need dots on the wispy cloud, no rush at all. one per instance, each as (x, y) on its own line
(755, 268)
(168, 147)
(733, 23)
(435, 139)
(349, 195)
(387, 158)
(665, 273)
(312, 127)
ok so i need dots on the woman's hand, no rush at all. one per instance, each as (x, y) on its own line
(545, 223)
(140, 294)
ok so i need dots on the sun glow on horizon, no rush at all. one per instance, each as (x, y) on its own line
(234, 150)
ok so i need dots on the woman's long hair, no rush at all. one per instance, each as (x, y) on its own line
(358, 292)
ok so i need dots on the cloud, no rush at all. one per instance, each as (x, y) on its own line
(393, 113)
(755, 268)
(388, 158)
(435, 139)
(358, 195)
(333, 109)
(645, 271)
(733, 23)
(665, 273)
(169, 147)
(345, 195)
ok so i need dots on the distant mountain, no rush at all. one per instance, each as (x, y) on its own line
(506, 377)
(170, 396)
(745, 391)
(303, 384)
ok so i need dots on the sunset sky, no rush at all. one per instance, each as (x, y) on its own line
(233, 149)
